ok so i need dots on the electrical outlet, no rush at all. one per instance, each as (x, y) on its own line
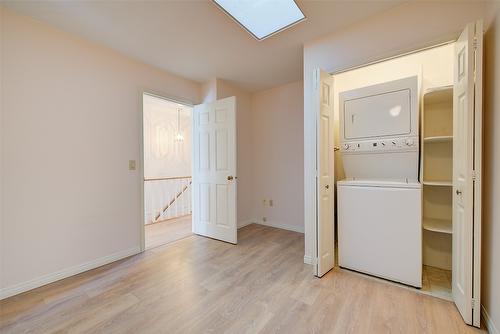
(131, 165)
(271, 203)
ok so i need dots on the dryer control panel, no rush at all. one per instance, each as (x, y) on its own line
(385, 145)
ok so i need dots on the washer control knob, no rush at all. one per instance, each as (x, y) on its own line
(409, 142)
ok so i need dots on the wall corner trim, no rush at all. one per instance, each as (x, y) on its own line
(64, 273)
(488, 322)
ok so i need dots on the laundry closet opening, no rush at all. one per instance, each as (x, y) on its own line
(167, 142)
(399, 146)
(382, 167)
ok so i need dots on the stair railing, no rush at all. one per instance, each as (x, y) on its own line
(167, 198)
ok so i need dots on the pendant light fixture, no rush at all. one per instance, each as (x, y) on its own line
(179, 136)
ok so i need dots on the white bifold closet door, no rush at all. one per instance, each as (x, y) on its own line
(323, 96)
(214, 170)
(467, 146)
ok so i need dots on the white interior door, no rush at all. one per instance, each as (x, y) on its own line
(214, 170)
(325, 180)
(467, 115)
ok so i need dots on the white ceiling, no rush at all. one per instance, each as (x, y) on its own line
(195, 39)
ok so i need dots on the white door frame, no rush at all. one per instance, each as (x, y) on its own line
(478, 158)
(140, 165)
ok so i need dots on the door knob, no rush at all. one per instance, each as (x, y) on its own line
(327, 186)
(458, 192)
(230, 178)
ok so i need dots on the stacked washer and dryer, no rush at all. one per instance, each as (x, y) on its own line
(379, 202)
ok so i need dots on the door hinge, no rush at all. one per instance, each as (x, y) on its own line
(474, 43)
(473, 303)
(474, 175)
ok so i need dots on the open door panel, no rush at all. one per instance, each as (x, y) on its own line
(214, 170)
(325, 179)
(467, 146)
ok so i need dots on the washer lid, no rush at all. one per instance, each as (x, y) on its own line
(379, 183)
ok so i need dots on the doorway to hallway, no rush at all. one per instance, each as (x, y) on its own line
(167, 128)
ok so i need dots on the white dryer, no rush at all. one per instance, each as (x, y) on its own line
(379, 202)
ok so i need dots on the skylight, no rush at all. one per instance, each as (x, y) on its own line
(262, 18)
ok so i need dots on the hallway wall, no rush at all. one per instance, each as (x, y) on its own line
(277, 156)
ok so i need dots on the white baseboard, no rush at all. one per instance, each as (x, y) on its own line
(272, 224)
(52, 277)
(488, 322)
(308, 259)
(245, 223)
(282, 226)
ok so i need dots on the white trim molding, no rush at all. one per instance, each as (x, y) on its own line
(245, 223)
(282, 226)
(488, 322)
(64, 273)
(308, 259)
(272, 224)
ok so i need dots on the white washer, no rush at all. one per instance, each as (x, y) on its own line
(379, 203)
(380, 230)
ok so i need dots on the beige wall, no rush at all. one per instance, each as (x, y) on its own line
(71, 121)
(491, 174)
(277, 152)
(405, 28)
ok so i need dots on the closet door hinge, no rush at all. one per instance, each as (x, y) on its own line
(474, 43)
(474, 175)
(473, 303)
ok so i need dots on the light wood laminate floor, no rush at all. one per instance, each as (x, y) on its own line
(167, 231)
(437, 282)
(200, 285)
